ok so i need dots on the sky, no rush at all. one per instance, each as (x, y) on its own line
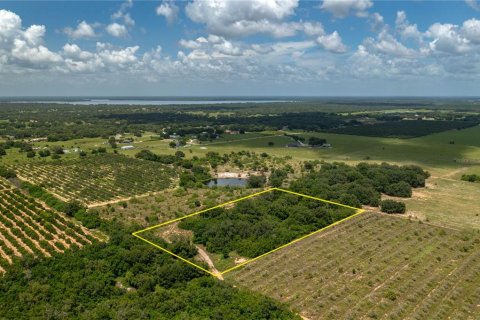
(240, 48)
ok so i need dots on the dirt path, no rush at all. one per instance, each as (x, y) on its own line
(203, 254)
(116, 200)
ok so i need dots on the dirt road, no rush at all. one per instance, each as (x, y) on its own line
(203, 254)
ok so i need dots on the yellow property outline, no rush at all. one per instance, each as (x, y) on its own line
(217, 275)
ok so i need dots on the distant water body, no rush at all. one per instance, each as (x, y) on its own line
(147, 102)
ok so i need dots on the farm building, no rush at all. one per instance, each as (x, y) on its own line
(127, 147)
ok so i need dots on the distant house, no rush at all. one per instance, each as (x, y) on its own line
(232, 131)
(326, 145)
(127, 147)
(38, 139)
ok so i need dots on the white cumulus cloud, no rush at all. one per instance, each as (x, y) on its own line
(405, 29)
(243, 18)
(332, 42)
(169, 10)
(123, 14)
(82, 31)
(447, 38)
(343, 8)
(23, 48)
(117, 30)
(471, 30)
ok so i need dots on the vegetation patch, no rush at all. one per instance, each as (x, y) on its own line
(125, 279)
(252, 226)
(471, 177)
(403, 129)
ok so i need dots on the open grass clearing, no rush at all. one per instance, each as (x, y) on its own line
(447, 202)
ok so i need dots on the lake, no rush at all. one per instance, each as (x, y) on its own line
(147, 102)
(230, 182)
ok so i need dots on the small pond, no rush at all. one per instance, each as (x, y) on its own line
(224, 182)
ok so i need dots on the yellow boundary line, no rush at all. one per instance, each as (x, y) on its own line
(136, 233)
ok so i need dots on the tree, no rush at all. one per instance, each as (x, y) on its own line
(90, 219)
(391, 206)
(7, 173)
(271, 143)
(72, 207)
(400, 189)
(44, 153)
(173, 144)
(113, 142)
(309, 165)
(31, 154)
(2, 152)
(256, 181)
(82, 154)
(58, 150)
(180, 154)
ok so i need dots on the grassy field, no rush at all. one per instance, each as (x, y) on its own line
(374, 267)
(433, 152)
(447, 202)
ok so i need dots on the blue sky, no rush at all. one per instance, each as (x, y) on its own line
(248, 47)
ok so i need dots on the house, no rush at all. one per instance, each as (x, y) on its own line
(127, 147)
(38, 139)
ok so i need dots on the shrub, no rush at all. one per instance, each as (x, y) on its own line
(391, 206)
(90, 219)
(7, 173)
(471, 177)
(400, 189)
(256, 181)
(72, 207)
